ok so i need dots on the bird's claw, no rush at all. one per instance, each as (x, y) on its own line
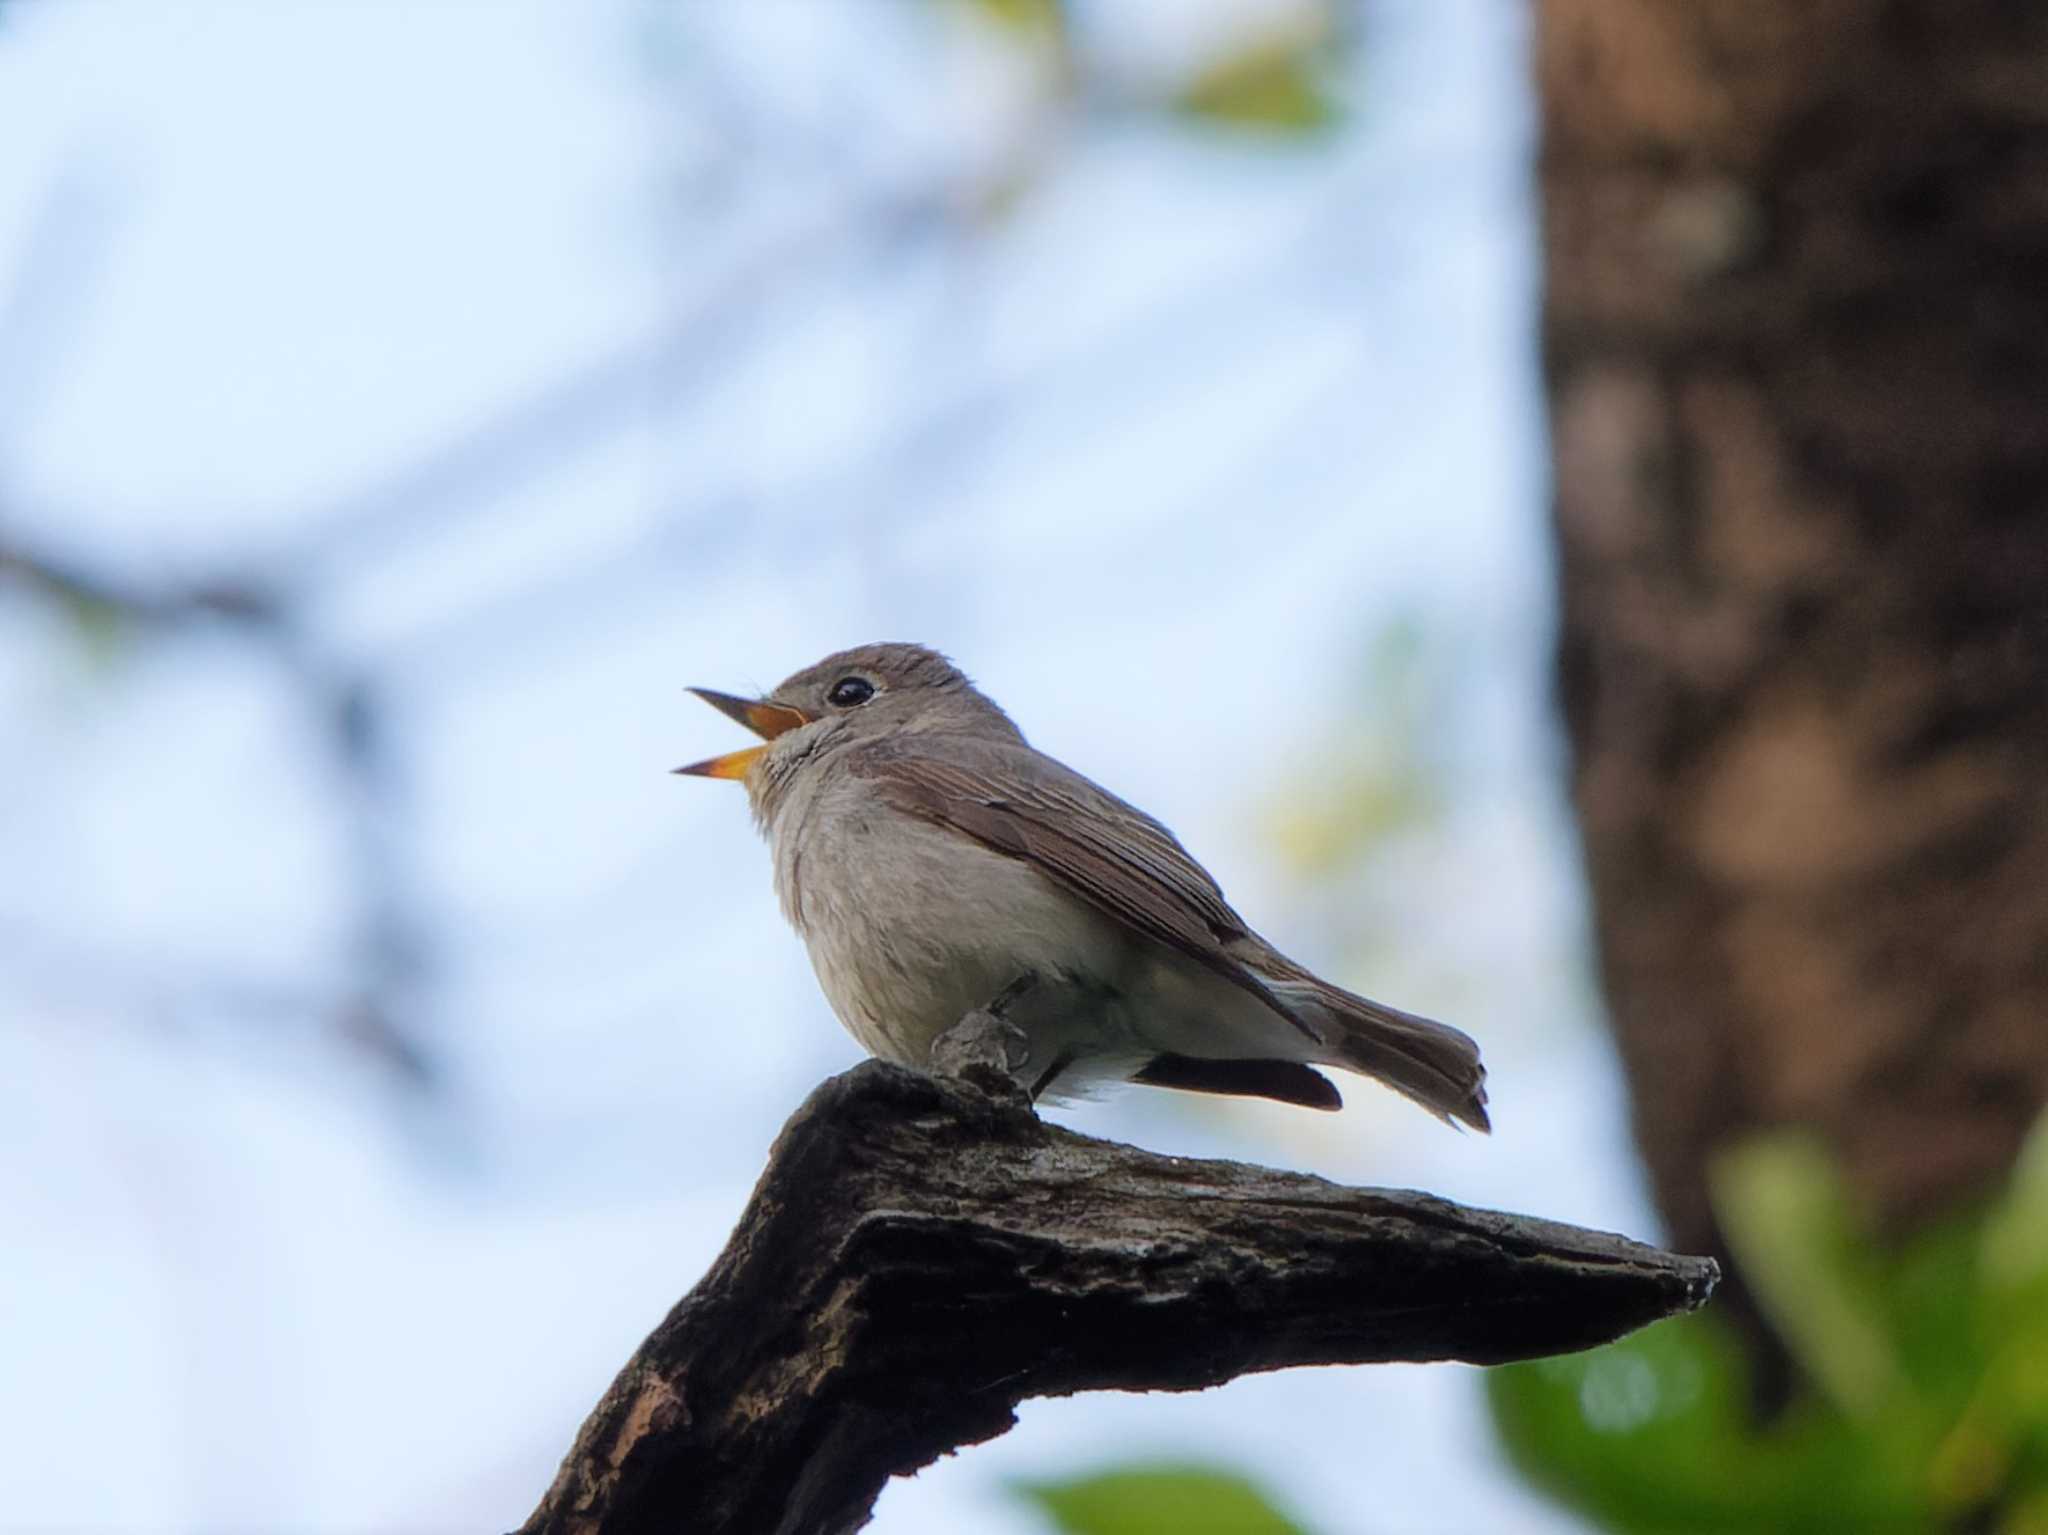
(984, 1043)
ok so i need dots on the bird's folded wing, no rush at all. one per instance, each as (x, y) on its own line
(1021, 803)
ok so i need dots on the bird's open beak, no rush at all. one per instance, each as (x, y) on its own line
(767, 720)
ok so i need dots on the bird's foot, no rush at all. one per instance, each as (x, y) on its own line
(985, 1048)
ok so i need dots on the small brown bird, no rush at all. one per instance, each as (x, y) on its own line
(933, 861)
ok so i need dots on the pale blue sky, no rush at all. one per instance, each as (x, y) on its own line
(1156, 456)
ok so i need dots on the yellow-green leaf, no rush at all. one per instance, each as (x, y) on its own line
(1159, 1500)
(1781, 1204)
(1277, 85)
(1035, 18)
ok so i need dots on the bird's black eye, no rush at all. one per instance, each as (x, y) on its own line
(850, 692)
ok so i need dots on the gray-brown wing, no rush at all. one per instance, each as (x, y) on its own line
(1024, 804)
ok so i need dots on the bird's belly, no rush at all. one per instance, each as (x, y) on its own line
(910, 931)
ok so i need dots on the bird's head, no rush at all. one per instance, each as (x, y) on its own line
(856, 695)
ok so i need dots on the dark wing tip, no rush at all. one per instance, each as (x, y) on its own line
(1282, 1081)
(1472, 1112)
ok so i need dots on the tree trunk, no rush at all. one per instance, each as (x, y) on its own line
(1796, 335)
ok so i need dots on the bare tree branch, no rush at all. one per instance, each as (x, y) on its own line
(924, 1253)
(345, 703)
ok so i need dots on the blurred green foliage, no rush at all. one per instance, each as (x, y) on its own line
(1278, 79)
(104, 630)
(1158, 1500)
(1279, 83)
(105, 633)
(1929, 1368)
(1374, 774)
(1036, 18)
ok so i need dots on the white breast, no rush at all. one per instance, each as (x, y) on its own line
(910, 925)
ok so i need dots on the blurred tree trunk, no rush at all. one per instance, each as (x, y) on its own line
(1797, 348)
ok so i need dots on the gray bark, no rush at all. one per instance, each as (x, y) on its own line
(923, 1253)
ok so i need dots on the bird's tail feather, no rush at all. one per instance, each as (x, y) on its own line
(1432, 1063)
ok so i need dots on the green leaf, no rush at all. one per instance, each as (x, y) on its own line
(1931, 1359)
(1159, 1500)
(2016, 1234)
(1279, 84)
(1782, 1208)
(2000, 1437)
(1652, 1436)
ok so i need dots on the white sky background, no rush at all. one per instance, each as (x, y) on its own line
(554, 356)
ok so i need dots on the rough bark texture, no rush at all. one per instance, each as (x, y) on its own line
(1797, 343)
(923, 1253)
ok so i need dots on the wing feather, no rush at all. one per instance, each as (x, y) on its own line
(1026, 805)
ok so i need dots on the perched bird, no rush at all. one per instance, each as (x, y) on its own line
(934, 862)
